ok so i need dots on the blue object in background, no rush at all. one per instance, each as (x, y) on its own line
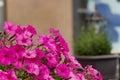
(110, 10)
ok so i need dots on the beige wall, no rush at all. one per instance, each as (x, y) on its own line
(43, 14)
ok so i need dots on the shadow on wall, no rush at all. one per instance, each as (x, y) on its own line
(113, 21)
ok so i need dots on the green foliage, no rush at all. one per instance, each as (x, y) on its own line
(92, 43)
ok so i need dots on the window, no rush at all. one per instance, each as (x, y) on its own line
(80, 10)
(2, 13)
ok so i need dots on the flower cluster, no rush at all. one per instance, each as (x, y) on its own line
(47, 59)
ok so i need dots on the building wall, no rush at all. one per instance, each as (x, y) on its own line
(43, 14)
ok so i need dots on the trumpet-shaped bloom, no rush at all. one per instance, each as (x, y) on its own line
(29, 54)
(7, 56)
(39, 53)
(62, 70)
(43, 72)
(31, 30)
(10, 28)
(51, 60)
(19, 30)
(76, 76)
(23, 40)
(61, 44)
(32, 68)
(3, 75)
(9, 75)
(73, 62)
(94, 74)
(48, 42)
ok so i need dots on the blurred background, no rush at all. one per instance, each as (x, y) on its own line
(103, 13)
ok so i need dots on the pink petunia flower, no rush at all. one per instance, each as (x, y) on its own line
(11, 75)
(31, 30)
(43, 72)
(62, 70)
(60, 42)
(76, 76)
(73, 62)
(81, 76)
(35, 60)
(7, 56)
(48, 42)
(51, 60)
(32, 68)
(49, 78)
(10, 28)
(39, 53)
(23, 40)
(19, 30)
(18, 63)
(3, 75)
(94, 74)
(19, 50)
(29, 54)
